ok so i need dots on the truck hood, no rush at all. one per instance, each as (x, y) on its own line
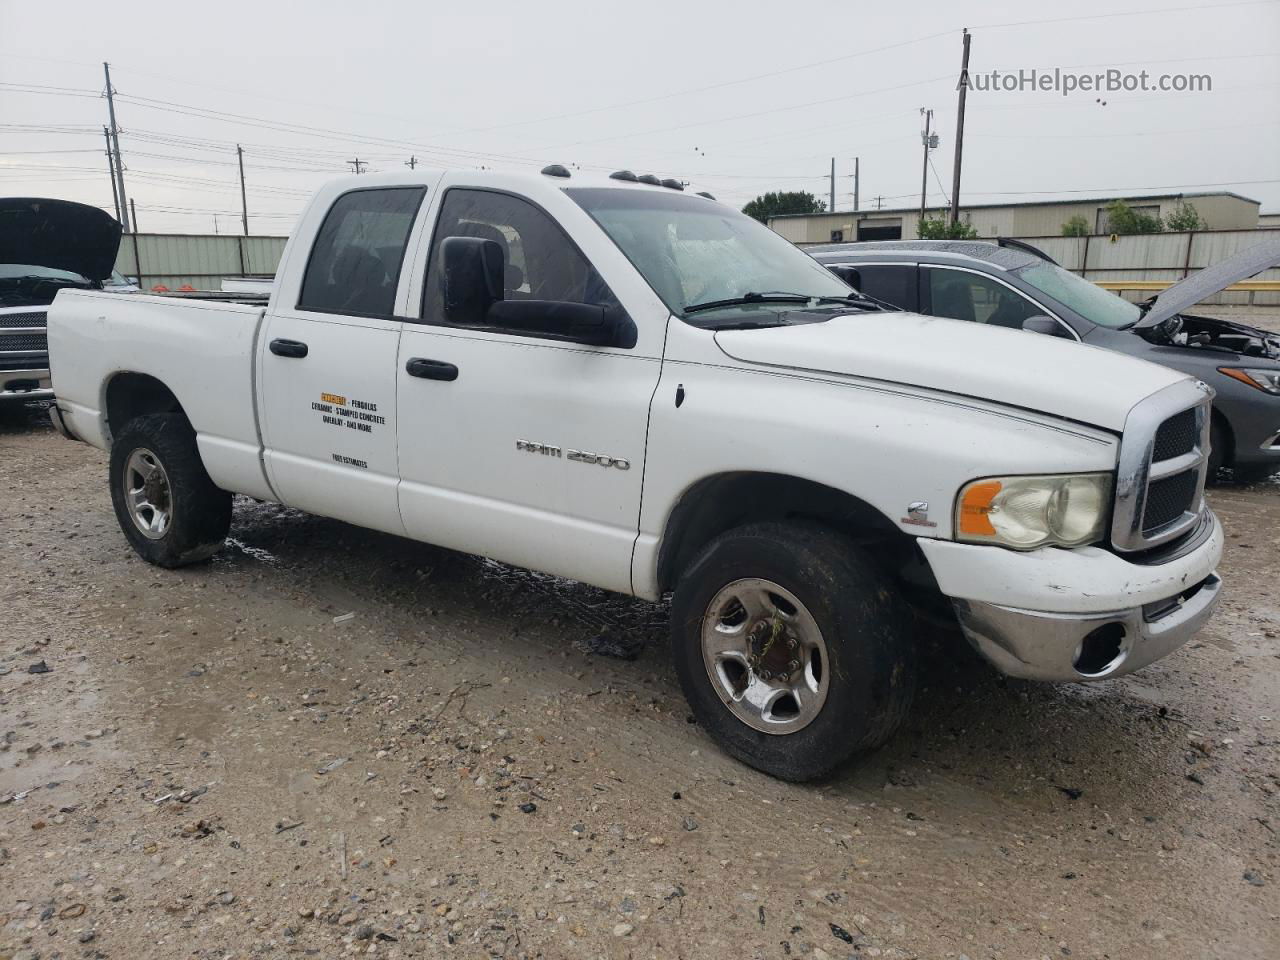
(1012, 367)
(1205, 283)
(58, 234)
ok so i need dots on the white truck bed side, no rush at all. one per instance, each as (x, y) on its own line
(202, 351)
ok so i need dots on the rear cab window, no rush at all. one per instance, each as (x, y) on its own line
(355, 261)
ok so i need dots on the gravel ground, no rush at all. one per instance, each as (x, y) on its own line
(329, 741)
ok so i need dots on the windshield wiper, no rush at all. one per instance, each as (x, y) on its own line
(749, 298)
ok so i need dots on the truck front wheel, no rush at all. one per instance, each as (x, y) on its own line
(792, 647)
(169, 510)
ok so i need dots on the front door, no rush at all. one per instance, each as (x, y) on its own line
(522, 448)
(327, 365)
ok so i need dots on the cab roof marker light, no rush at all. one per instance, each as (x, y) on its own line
(703, 193)
(672, 184)
(556, 170)
(650, 179)
(626, 175)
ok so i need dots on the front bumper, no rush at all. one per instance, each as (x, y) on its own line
(1085, 614)
(1035, 645)
(22, 385)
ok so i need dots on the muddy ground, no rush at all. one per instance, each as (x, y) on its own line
(329, 741)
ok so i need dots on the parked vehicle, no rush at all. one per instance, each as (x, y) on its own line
(45, 246)
(1012, 284)
(615, 381)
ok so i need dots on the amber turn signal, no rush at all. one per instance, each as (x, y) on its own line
(975, 508)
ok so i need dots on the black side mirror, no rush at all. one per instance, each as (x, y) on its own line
(849, 275)
(472, 269)
(1041, 324)
(579, 322)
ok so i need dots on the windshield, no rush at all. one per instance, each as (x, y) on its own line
(10, 271)
(693, 251)
(1087, 299)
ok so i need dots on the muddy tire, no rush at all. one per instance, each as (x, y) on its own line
(793, 648)
(168, 509)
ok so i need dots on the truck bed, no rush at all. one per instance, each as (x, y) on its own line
(202, 350)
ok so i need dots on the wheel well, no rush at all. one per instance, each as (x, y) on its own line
(720, 503)
(1228, 455)
(131, 395)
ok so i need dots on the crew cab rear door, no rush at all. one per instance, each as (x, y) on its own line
(522, 447)
(327, 359)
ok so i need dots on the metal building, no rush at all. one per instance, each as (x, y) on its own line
(1220, 211)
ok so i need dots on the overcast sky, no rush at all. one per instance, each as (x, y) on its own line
(738, 98)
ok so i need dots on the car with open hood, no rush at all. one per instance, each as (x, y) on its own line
(1008, 283)
(45, 246)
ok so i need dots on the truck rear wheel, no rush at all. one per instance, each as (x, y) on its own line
(169, 510)
(792, 648)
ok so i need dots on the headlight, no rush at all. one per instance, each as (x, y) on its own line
(1068, 510)
(1268, 380)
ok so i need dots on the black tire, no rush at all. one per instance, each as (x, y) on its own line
(1219, 448)
(1253, 472)
(871, 656)
(199, 513)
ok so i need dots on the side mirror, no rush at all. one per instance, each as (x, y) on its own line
(849, 275)
(579, 322)
(1041, 324)
(472, 270)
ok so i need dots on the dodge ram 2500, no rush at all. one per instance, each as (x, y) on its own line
(615, 381)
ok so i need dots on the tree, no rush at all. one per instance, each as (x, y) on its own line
(1077, 226)
(777, 204)
(1122, 218)
(940, 229)
(1185, 217)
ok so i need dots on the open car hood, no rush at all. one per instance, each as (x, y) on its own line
(58, 234)
(1205, 283)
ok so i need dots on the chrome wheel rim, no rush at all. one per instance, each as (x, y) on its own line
(147, 494)
(765, 656)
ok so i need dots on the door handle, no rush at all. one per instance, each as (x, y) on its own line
(289, 348)
(430, 369)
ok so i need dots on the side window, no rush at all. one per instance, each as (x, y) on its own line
(540, 263)
(355, 262)
(892, 284)
(970, 296)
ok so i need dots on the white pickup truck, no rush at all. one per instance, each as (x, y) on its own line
(616, 381)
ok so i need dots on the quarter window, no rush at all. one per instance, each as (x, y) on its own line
(540, 263)
(970, 296)
(355, 263)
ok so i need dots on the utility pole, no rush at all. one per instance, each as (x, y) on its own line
(125, 208)
(411, 163)
(832, 208)
(879, 201)
(358, 165)
(856, 174)
(924, 175)
(133, 215)
(111, 169)
(964, 88)
(244, 204)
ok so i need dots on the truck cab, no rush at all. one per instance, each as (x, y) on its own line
(614, 380)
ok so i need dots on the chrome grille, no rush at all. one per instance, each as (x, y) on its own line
(33, 319)
(1176, 436)
(1160, 477)
(26, 342)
